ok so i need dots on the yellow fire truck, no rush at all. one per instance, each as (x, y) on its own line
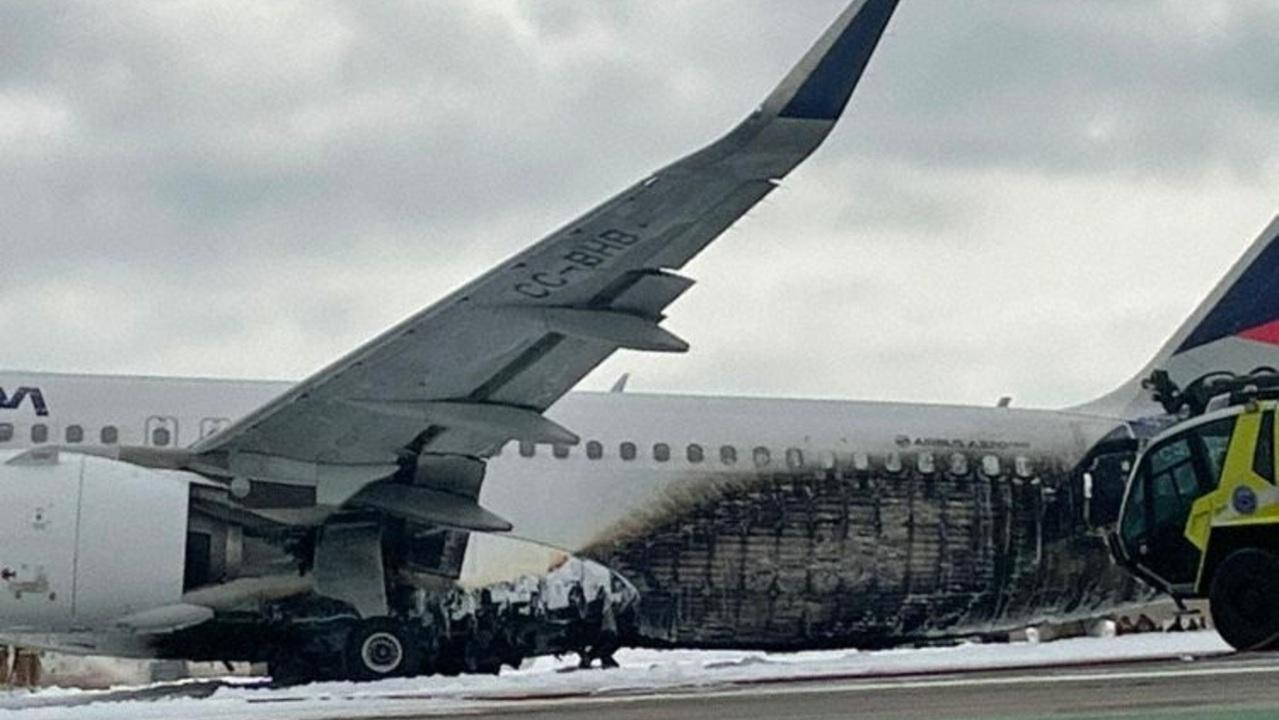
(1200, 517)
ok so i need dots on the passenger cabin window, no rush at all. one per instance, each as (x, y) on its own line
(109, 435)
(39, 433)
(594, 450)
(75, 434)
(893, 463)
(728, 455)
(861, 462)
(695, 453)
(991, 467)
(762, 457)
(559, 450)
(927, 463)
(661, 452)
(527, 449)
(794, 458)
(829, 461)
(6, 432)
(161, 430)
(627, 451)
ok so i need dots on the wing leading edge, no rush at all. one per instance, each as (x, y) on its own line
(447, 387)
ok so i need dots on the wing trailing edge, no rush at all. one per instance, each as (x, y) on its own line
(466, 375)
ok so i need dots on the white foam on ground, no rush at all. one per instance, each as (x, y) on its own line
(642, 672)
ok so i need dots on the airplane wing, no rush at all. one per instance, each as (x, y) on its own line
(450, 385)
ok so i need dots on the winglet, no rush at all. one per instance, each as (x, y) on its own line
(820, 85)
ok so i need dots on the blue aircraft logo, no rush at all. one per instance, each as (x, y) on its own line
(14, 401)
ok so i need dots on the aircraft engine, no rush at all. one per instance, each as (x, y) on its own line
(87, 542)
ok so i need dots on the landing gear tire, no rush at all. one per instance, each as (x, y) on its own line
(1245, 599)
(381, 648)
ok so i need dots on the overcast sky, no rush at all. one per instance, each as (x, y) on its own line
(1025, 198)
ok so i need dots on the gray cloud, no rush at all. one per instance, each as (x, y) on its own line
(248, 189)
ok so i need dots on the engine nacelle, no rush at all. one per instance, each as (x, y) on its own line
(85, 541)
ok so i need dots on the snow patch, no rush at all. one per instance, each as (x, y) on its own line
(641, 672)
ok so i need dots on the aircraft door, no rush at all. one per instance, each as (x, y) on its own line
(37, 544)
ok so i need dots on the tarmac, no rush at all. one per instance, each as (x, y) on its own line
(1235, 687)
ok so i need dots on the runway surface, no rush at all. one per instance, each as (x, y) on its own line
(1153, 676)
(1236, 688)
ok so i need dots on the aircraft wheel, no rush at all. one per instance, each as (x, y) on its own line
(381, 648)
(1245, 599)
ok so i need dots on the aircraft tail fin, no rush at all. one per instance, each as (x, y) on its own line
(1236, 329)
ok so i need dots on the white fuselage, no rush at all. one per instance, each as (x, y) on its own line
(545, 494)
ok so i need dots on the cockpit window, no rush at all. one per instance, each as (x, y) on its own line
(1134, 522)
(1168, 455)
(1215, 439)
(1174, 484)
(1169, 492)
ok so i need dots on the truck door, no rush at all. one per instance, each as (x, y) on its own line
(1175, 474)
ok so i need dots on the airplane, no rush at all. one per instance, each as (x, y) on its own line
(374, 519)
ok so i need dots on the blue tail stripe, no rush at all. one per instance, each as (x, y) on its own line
(825, 93)
(1251, 302)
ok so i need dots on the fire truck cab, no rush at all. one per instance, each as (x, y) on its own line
(1200, 519)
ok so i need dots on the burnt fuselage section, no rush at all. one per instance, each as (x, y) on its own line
(790, 524)
(899, 550)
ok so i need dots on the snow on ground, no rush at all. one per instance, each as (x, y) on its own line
(642, 672)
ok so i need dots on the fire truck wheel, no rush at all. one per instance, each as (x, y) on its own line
(1245, 599)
